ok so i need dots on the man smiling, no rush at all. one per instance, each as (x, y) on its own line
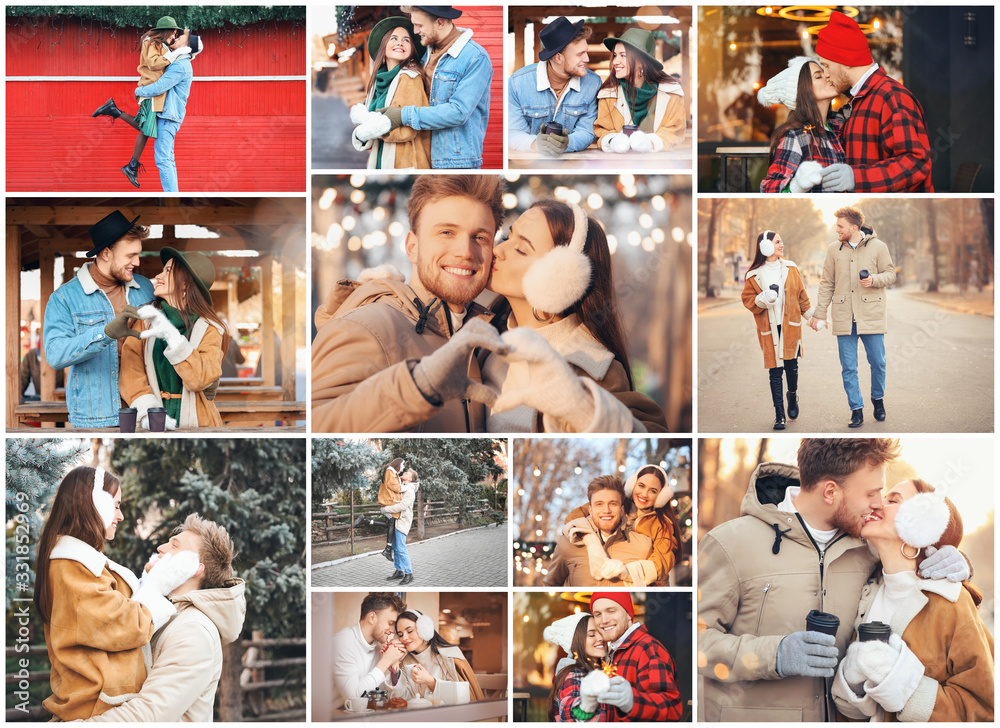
(391, 356)
(363, 653)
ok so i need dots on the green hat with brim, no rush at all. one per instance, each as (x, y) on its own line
(166, 23)
(386, 25)
(197, 264)
(637, 39)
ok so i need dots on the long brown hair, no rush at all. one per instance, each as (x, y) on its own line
(758, 257)
(193, 304)
(952, 535)
(806, 111)
(73, 514)
(411, 64)
(581, 661)
(158, 36)
(651, 72)
(666, 515)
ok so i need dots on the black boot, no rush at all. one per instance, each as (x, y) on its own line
(108, 108)
(406, 579)
(792, 375)
(131, 170)
(857, 418)
(395, 575)
(359, 522)
(779, 405)
(387, 552)
(879, 409)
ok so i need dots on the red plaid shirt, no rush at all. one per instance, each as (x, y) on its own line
(569, 697)
(648, 667)
(796, 146)
(886, 139)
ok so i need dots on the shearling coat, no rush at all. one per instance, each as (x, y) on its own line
(361, 361)
(96, 635)
(841, 286)
(756, 588)
(940, 624)
(766, 320)
(389, 493)
(404, 507)
(152, 62)
(571, 562)
(402, 148)
(198, 364)
(665, 121)
(187, 659)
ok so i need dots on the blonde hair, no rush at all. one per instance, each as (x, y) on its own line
(216, 552)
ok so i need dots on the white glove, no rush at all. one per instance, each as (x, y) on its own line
(640, 142)
(553, 388)
(593, 684)
(170, 423)
(619, 694)
(876, 658)
(766, 298)
(373, 127)
(808, 175)
(617, 143)
(160, 327)
(359, 114)
(852, 673)
(168, 573)
(444, 375)
(900, 681)
(173, 55)
(613, 569)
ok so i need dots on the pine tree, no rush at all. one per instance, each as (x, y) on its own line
(340, 466)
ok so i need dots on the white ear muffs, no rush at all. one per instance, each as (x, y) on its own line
(425, 626)
(767, 244)
(561, 277)
(922, 520)
(103, 501)
(663, 497)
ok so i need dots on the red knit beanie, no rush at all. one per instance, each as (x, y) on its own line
(842, 41)
(623, 598)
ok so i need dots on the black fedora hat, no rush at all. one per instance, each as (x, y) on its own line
(387, 25)
(557, 35)
(108, 231)
(441, 11)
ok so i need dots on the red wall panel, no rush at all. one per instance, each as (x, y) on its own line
(237, 135)
(486, 23)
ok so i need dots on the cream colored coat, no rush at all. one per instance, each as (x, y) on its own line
(840, 286)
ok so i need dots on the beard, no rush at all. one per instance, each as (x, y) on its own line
(433, 279)
(846, 521)
(121, 275)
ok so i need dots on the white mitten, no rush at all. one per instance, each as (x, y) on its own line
(159, 326)
(173, 55)
(766, 298)
(593, 684)
(168, 573)
(640, 142)
(900, 681)
(359, 114)
(171, 423)
(808, 175)
(875, 658)
(613, 569)
(553, 388)
(850, 670)
(617, 143)
(444, 374)
(374, 126)
(596, 556)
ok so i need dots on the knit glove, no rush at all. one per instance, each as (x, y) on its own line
(211, 389)
(946, 562)
(617, 143)
(374, 126)
(807, 653)
(552, 145)
(444, 375)
(160, 327)
(838, 178)
(766, 298)
(851, 671)
(169, 424)
(383, 511)
(640, 142)
(619, 694)
(553, 388)
(394, 113)
(874, 659)
(593, 684)
(808, 175)
(117, 327)
(613, 569)
(899, 670)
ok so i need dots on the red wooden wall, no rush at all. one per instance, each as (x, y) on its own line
(245, 136)
(486, 23)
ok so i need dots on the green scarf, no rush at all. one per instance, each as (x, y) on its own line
(383, 79)
(643, 95)
(166, 377)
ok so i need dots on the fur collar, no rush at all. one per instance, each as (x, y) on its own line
(579, 346)
(542, 78)
(756, 272)
(667, 87)
(87, 280)
(459, 44)
(73, 549)
(917, 600)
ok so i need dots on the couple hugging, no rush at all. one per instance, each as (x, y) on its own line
(398, 650)
(558, 105)
(877, 143)
(625, 535)
(822, 554)
(549, 355)
(157, 345)
(124, 649)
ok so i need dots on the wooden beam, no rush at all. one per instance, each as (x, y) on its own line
(288, 328)
(270, 211)
(520, 28)
(46, 269)
(13, 338)
(267, 322)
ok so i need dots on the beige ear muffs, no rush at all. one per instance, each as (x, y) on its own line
(922, 520)
(663, 497)
(767, 244)
(103, 500)
(561, 277)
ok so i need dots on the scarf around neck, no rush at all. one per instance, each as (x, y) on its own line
(380, 95)
(167, 378)
(643, 95)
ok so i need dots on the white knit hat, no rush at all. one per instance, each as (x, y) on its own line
(559, 278)
(782, 88)
(665, 494)
(561, 631)
(922, 519)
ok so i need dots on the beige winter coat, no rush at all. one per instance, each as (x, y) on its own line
(754, 590)
(361, 360)
(408, 493)
(766, 320)
(841, 286)
(187, 659)
(577, 557)
(664, 121)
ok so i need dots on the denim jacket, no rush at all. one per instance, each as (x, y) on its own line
(531, 102)
(74, 337)
(177, 80)
(459, 105)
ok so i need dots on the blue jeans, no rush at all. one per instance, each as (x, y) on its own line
(166, 129)
(400, 556)
(875, 351)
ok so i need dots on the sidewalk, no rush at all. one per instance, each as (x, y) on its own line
(973, 302)
(472, 558)
(705, 303)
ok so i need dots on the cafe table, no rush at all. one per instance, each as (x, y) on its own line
(467, 713)
(593, 159)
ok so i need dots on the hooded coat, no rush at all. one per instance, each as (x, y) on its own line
(665, 122)
(574, 558)
(841, 286)
(756, 587)
(187, 659)
(370, 335)
(788, 344)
